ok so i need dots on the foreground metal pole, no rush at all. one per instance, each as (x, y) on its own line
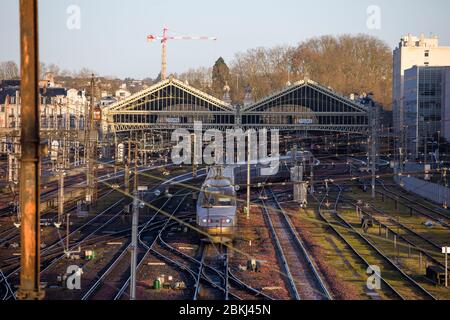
(30, 287)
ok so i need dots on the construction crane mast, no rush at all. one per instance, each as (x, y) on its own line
(164, 38)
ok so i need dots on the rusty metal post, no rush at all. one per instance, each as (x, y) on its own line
(30, 286)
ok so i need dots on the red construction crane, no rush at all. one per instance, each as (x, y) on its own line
(164, 38)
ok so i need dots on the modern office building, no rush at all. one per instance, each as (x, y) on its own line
(413, 51)
(426, 107)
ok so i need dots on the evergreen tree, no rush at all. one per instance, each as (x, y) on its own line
(220, 77)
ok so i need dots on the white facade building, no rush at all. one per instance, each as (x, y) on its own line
(426, 107)
(122, 94)
(413, 51)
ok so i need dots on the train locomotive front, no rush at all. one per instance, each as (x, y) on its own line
(216, 205)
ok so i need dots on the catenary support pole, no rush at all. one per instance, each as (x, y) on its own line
(249, 152)
(134, 230)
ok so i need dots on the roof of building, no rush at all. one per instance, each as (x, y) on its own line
(8, 91)
(108, 98)
(9, 83)
(53, 92)
(306, 82)
(168, 82)
(9, 88)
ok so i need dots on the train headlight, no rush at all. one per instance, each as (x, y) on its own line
(204, 220)
(228, 220)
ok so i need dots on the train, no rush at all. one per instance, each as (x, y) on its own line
(216, 202)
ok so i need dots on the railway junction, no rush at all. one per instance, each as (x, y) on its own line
(93, 206)
(140, 238)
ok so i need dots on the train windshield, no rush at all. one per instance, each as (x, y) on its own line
(218, 197)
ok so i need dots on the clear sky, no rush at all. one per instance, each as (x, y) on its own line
(112, 35)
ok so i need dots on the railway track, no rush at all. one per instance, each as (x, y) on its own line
(237, 289)
(413, 204)
(114, 281)
(5, 288)
(303, 279)
(402, 231)
(53, 254)
(60, 239)
(216, 276)
(13, 233)
(50, 189)
(394, 279)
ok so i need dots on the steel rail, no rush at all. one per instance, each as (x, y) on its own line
(74, 231)
(232, 277)
(302, 247)
(402, 237)
(414, 202)
(142, 259)
(339, 234)
(382, 255)
(280, 251)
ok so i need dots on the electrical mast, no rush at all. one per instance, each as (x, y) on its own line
(90, 147)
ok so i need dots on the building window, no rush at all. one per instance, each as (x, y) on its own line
(427, 63)
(427, 54)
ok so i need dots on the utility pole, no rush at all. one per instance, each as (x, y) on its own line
(311, 176)
(249, 152)
(67, 235)
(446, 251)
(134, 247)
(426, 147)
(194, 164)
(373, 144)
(127, 168)
(134, 230)
(89, 146)
(61, 174)
(30, 286)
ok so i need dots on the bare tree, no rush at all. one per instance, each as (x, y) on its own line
(9, 70)
(200, 78)
(84, 73)
(348, 64)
